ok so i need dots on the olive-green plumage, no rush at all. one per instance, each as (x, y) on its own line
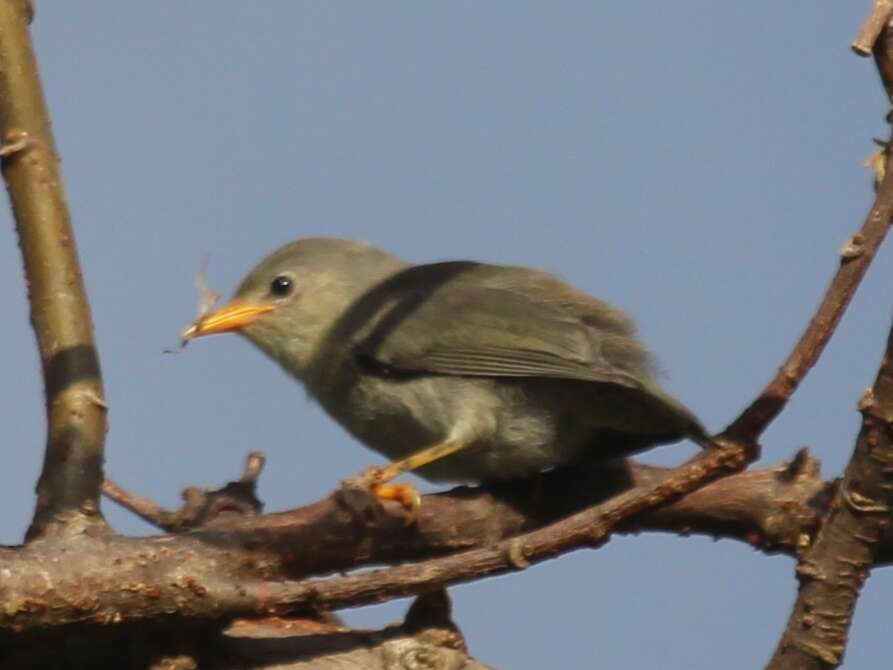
(529, 371)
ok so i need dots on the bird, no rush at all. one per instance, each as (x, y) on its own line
(458, 370)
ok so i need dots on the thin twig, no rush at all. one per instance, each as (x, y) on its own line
(146, 509)
(68, 490)
(855, 258)
(200, 506)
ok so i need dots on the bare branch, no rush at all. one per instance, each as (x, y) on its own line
(246, 566)
(880, 15)
(774, 509)
(855, 258)
(200, 505)
(832, 572)
(860, 251)
(144, 508)
(427, 638)
(589, 528)
(241, 566)
(68, 490)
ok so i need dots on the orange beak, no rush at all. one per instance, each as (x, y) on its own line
(226, 319)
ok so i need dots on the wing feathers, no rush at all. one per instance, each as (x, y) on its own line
(481, 320)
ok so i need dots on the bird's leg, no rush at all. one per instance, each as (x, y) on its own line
(419, 459)
(406, 494)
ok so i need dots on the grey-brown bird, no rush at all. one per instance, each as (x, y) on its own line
(462, 371)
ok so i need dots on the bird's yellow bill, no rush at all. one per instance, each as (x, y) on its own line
(226, 319)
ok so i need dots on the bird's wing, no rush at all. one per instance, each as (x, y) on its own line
(478, 320)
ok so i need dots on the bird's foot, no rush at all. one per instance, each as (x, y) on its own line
(405, 494)
(361, 493)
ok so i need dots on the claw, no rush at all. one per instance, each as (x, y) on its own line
(375, 479)
(405, 494)
(358, 494)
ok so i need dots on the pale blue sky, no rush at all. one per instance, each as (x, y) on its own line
(696, 163)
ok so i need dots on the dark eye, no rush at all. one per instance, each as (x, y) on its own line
(282, 285)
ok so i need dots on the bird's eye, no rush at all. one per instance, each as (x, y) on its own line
(282, 285)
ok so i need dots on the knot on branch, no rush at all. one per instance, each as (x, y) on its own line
(200, 505)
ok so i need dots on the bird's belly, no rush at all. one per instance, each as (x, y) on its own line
(518, 429)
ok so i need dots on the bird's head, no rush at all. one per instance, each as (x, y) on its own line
(288, 303)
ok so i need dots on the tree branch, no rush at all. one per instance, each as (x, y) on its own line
(833, 571)
(855, 257)
(774, 509)
(854, 261)
(240, 566)
(877, 20)
(589, 528)
(427, 638)
(200, 505)
(68, 490)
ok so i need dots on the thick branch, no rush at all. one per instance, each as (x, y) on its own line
(586, 529)
(427, 638)
(68, 490)
(240, 565)
(834, 569)
(774, 508)
(832, 573)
